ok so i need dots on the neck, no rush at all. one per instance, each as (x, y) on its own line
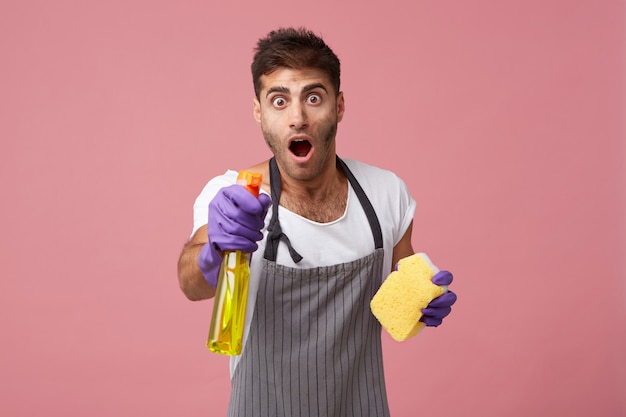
(322, 199)
(316, 189)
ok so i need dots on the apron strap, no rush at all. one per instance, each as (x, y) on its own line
(372, 218)
(276, 234)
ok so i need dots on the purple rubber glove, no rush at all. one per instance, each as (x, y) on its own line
(236, 219)
(441, 306)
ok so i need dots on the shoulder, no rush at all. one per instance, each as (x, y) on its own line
(366, 169)
(227, 178)
(373, 177)
(388, 193)
(230, 177)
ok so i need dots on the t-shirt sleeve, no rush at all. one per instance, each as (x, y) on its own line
(201, 205)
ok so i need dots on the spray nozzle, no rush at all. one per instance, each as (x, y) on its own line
(251, 181)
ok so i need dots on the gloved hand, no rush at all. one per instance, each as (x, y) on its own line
(236, 218)
(441, 306)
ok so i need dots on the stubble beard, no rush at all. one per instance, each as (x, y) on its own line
(322, 152)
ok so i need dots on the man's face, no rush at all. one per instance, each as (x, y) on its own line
(298, 113)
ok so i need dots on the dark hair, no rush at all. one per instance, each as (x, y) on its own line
(295, 49)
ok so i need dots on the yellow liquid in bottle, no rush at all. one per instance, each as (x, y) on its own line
(229, 309)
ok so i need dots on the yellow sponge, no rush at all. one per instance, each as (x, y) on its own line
(399, 301)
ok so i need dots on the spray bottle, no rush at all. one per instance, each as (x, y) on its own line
(231, 296)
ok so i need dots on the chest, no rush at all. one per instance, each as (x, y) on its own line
(323, 244)
(320, 210)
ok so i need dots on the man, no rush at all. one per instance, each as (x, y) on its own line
(327, 230)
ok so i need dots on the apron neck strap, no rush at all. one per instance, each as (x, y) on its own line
(372, 218)
(276, 234)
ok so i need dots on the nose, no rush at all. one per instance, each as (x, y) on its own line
(297, 116)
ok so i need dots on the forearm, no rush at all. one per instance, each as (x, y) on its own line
(190, 278)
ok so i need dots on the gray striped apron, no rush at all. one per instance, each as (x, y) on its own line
(314, 348)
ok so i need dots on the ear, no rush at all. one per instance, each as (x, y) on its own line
(341, 106)
(256, 111)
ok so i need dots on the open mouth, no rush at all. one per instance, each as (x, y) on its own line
(300, 147)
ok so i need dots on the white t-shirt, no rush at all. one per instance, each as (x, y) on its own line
(322, 244)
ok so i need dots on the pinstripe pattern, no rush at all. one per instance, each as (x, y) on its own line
(314, 349)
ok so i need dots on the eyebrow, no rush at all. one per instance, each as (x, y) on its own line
(285, 90)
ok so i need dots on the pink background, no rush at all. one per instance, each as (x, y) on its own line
(505, 118)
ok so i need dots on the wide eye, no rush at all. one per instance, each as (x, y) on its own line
(279, 102)
(314, 99)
